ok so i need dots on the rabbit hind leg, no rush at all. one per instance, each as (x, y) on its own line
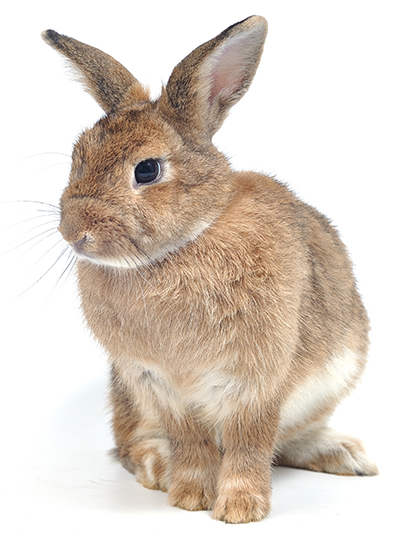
(319, 448)
(306, 441)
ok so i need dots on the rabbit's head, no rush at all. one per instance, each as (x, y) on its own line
(146, 179)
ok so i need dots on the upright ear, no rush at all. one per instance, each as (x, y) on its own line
(110, 84)
(209, 81)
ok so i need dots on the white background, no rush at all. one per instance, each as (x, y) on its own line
(322, 115)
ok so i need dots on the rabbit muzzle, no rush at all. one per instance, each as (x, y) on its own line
(96, 232)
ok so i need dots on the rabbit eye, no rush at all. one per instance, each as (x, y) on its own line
(147, 171)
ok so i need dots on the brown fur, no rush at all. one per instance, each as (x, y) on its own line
(227, 306)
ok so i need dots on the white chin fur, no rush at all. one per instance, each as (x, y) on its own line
(129, 262)
(123, 263)
(138, 259)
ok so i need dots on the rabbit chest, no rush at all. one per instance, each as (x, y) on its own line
(200, 348)
(204, 346)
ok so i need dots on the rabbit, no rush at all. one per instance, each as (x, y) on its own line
(227, 306)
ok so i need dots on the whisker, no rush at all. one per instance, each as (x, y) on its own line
(139, 267)
(56, 208)
(36, 227)
(53, 230)
(29, 223)
(150, 260)
(68, 269)
(72, 263)
(48, 270)
(137, 261)
(43, 255)
(51, 166)
(132, 256)
(144, 306)
(143, 253)
(45, 154)
(38, 242)
(46, 214)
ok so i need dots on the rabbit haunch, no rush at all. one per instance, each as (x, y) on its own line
(227, 306)
(214, 395)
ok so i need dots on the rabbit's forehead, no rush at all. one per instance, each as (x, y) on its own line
(127, 133)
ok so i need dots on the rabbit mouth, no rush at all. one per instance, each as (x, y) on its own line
(129, 260)
(79, 246)
(117, 263)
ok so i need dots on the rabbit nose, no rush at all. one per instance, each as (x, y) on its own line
(79, 245)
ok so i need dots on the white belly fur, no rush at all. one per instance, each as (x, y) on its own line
(216, 396)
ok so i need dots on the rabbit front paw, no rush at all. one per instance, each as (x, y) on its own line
(240, 507)
(192, 491)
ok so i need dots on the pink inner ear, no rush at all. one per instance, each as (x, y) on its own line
(230, 63)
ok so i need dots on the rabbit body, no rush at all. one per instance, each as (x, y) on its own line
(227, 306)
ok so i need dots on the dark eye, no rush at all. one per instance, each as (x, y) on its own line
(147, 171)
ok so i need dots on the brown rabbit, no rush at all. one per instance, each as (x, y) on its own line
(227, 306)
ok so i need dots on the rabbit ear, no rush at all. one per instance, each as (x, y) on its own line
(110, 84)
(210, 80)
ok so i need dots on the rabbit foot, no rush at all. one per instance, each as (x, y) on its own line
(326, 451)
(149, 461)
(191, 494)
(240, 507)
